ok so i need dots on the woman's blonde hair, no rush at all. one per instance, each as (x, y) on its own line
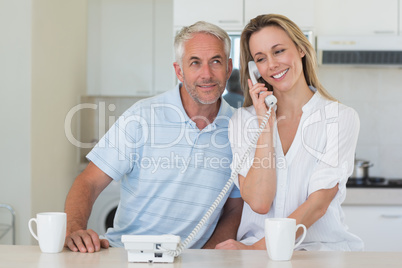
(296, 35)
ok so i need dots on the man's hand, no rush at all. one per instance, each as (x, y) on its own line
(85, 241)
(80, 199)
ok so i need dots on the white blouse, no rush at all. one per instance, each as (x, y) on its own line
(321, 155)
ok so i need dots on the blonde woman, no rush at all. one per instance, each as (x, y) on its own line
(304, 156)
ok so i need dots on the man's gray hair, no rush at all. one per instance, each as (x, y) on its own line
(186, 33)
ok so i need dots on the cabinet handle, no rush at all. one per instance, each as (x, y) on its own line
(389, 216)
(229, 21)
(384, 32)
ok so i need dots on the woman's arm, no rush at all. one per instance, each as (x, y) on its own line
(258, 188)
(314, 207)
(307, 213)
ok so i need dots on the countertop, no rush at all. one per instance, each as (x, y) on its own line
(373, 196)
(30, 256)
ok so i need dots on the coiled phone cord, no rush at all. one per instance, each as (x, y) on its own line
(224, 191)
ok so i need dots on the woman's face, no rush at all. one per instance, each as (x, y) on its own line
(278, 59)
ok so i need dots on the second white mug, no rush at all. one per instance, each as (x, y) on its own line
(280, 236)
(51, 231)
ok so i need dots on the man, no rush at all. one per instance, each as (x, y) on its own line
(171, 154)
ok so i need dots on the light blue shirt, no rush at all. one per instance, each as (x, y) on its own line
(170, 171)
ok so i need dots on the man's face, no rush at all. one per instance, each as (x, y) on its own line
(205, 68)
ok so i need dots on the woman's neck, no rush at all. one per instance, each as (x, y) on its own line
(290, 103)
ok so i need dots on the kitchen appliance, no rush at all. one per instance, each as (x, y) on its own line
(361, 169)
(374, 182)
(104, 209)
(378, 50)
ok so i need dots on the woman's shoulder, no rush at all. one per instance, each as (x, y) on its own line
(334, 109)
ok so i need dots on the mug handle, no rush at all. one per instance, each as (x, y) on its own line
(30, 228)
(303, 236)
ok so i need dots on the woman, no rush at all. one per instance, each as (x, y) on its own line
(304, 156)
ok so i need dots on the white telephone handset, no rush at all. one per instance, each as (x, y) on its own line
(254, 75)
(163, 248)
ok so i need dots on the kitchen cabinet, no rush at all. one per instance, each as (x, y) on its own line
(380, 227)
(227, 14)
(301, 12)
(130, 47)
(399, 16)
(356, 17)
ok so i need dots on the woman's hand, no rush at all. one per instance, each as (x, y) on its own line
(258, 93)
(232, 245)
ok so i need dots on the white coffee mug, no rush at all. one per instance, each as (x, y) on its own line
(280, 235)
(51, 229)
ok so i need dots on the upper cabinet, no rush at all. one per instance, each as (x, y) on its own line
(130, 43)
(234, 14)
(227, 14)
(301, 12)
(356, 17)
(125, 52)
(399, 17)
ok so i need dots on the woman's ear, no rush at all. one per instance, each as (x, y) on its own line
(302, 53)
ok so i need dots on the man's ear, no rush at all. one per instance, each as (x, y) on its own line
(178, 71)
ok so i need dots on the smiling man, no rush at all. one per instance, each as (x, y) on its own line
(171, 154)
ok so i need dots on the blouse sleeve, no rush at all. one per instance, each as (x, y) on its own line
(336, 163)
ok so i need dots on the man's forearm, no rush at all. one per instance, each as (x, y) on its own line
(228, 223)
(82, 195)
(78, 206)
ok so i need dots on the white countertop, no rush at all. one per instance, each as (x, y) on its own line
(374, 196)
(30, 256)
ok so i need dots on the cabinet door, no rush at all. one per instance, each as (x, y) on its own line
(399, 17)
(358, 17)
(380, 227)
(301, 12)
(164, 75)
(227, 14)
(120, 48)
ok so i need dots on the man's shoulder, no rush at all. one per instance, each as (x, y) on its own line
(149, 103)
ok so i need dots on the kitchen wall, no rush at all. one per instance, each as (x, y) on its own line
(42, 75)
(58, 79)
(15, 107)
(375, 93)
(355, 86)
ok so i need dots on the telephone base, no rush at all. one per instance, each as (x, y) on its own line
(150, 248)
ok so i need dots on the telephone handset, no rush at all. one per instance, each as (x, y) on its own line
(254, 75)
(163, 248)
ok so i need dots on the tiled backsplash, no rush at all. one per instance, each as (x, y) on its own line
(376, 94)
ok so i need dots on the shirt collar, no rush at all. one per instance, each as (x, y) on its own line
(312, 102)
(177, 114)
